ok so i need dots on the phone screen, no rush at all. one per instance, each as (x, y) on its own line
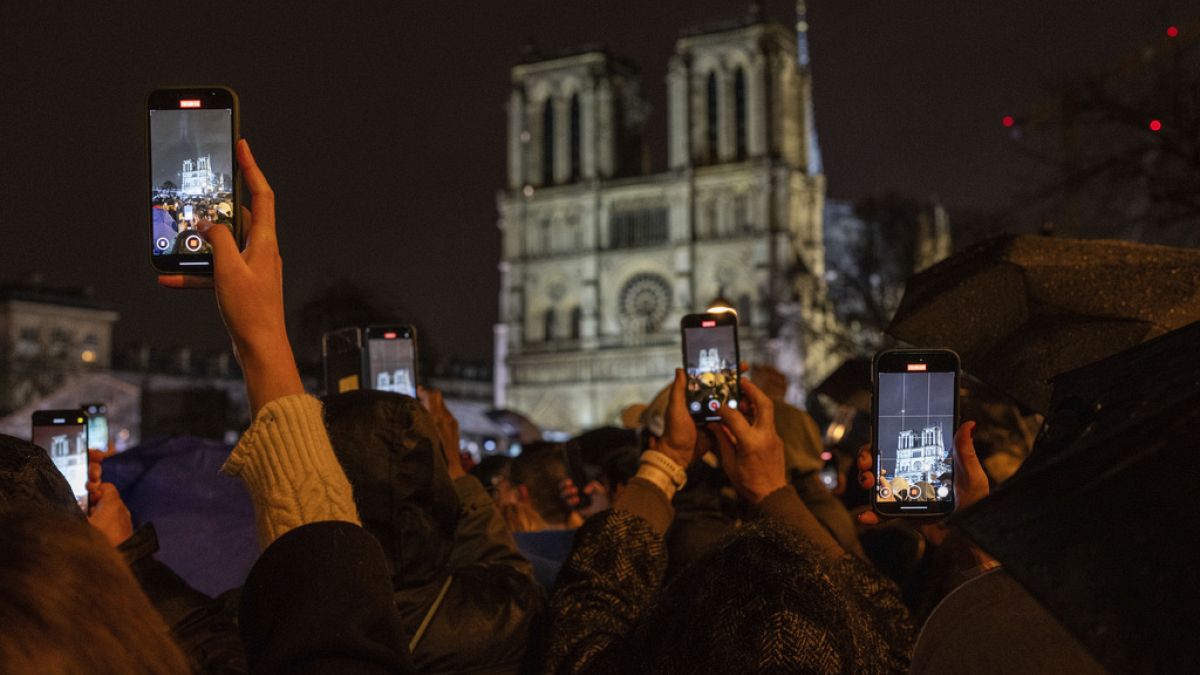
(711, 363)
(191, 174)
(97, 430)
(64, 435)
(391, 361)
(915, 418)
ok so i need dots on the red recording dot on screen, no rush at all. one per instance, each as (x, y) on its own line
(1173, 31)
(1155, 125)
(189, 103)
(707, 324)
(389, 335)
(916, 367)
(1008, 121)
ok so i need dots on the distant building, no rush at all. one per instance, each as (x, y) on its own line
(921, 459)
(601, 260)
(46, 335)
(198, 177)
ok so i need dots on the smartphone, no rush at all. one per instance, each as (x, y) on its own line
(191, 132)
(64, 435)
(573, 458)
(391, 363)
(97, 417)
(914, 414)
(342, 354)
(710, 359)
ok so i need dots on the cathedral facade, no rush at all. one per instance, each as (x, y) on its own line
(601, 259)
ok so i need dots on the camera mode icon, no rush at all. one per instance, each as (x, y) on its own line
(162, 243)
(695, 406)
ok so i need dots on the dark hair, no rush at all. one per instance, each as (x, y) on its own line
(491, 467)
(69, 603)
(540, 468)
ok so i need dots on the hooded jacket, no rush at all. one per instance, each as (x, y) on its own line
(442, 538)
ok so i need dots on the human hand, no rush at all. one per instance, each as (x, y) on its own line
(109, 514)
(447, 428)
(249, 287)
(751, 452)
(597, 497)
(95, 457)
(679, 431)
(970, 481)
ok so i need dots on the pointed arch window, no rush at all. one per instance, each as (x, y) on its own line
(576, 322)
(551, 324)
(711, 120)
(576, 139)
(548, 142)
(739, 98)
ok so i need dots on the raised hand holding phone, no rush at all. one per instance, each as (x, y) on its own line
(249, 286)
(752, 452)
(970, 480)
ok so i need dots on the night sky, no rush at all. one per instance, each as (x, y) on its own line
(381, 125)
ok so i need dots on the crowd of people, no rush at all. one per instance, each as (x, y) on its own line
(711, 548)
(175, 216)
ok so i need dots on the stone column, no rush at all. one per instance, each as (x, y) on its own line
(533, 149)
(757, 115)
(587, 114)
(516, 147)
(678, 120)
(605, 131)
(562, 139)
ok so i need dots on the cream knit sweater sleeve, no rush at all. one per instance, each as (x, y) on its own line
(288, 464)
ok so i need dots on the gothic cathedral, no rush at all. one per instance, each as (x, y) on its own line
(601, 259)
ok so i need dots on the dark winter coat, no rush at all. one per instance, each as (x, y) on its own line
(433, 529)
(763, 600)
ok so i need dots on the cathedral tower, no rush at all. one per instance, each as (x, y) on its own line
(602, 259)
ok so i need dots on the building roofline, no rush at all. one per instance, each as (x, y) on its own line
(534, 61)
(64, 297)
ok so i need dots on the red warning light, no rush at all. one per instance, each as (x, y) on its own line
(707, 324)
(390, 335)
(189, 103)
(1155, 125)
(1173, 31)
(1008, 121)
(917, 367)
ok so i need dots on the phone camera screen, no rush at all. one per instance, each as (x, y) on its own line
(915, 438)
(66, 443)
(191, 174)
(711, 365)
(97, 432)
(391, 364)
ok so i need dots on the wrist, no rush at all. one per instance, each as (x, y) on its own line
(681, 458)
(757, 492)
(270, 373)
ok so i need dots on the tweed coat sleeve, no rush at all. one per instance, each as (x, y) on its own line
(610, 580)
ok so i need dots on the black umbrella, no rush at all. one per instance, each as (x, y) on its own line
(515, 426)
(1099, 524)
(849, 384)
(1021, 309)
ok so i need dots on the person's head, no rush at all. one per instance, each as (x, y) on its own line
(392, 456)
(69, 604)
(537, 473)
(29, 480)
(493, 472)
